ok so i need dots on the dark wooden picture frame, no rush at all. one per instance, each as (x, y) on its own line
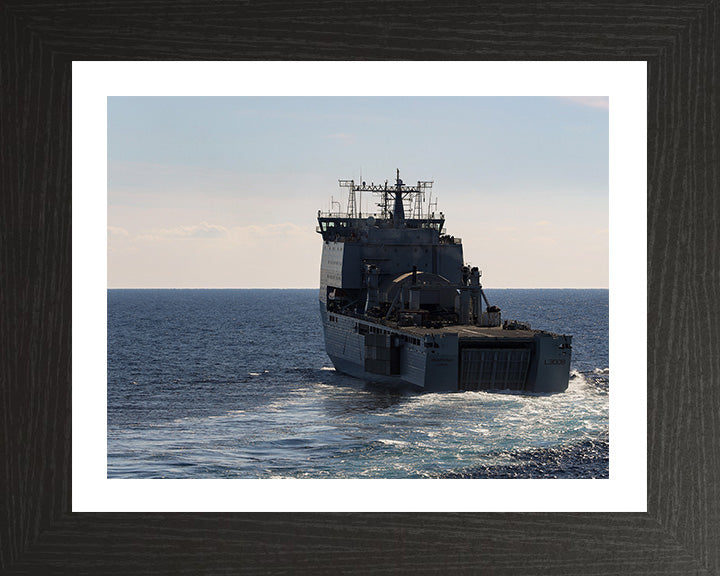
(680, 533)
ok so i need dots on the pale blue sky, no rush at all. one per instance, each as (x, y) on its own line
(223, 192)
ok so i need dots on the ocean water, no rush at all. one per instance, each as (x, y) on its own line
(236, 384)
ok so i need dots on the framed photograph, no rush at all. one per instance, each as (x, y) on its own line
(64, 519)
(530, 171)
(225, 214)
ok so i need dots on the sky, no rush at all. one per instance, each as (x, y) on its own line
(223, 192)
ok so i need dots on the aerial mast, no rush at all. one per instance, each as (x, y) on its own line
(396, 212)
(351, 206)
(399, 210)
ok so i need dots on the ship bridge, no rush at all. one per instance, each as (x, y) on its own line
(340, 228)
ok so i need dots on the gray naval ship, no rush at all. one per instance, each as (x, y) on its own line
(399, 305)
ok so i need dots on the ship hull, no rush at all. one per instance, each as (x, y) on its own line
(399, 306)
(452, 359)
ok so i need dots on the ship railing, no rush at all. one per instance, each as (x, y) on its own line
(435, 223)
(366, 318)
(344, 216)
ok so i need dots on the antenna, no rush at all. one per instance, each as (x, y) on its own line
(405, 201)
(332, 204)
(398, 208)
(351, 206)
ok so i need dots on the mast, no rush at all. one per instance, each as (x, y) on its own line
(393, 199)
(351, 205)
(398, 210)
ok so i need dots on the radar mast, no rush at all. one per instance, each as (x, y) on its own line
(406, 201)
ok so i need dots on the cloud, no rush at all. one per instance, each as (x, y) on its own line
(282, 254)
(590, 101)
(202, 230)
(118, 239)
(117, 231)
(236, 234)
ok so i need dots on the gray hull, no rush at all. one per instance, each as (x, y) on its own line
(446, 361)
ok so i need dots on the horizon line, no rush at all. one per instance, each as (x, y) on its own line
(316, 288)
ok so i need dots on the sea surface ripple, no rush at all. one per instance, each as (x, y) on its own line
(236, 384)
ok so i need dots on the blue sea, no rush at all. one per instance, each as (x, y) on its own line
(236, 384)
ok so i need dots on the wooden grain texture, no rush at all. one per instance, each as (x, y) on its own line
(680, 534)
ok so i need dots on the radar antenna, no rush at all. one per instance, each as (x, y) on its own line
(393, 197)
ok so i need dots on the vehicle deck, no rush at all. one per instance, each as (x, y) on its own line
(470, 331)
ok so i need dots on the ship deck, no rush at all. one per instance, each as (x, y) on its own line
(470, 331)
(465, 331)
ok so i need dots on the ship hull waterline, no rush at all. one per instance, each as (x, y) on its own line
(426, 360)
